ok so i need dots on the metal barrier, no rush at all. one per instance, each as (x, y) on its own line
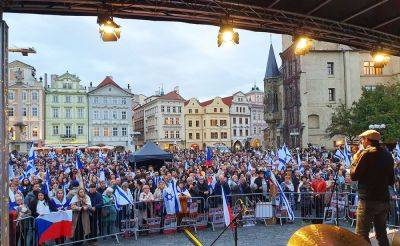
(25, 233)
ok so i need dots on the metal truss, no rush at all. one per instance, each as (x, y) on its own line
(254, 15)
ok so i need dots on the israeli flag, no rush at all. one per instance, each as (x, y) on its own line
(283, 197)
(102, 176)
(339, 154)
(300, 166)
(11, 174)
(48, 182)
(347, 155)
(11, 204)
(122, 198)
(171, 200)
(288, 157)
(30, 167)
(282, 159)
(102, 157)
(78, 163)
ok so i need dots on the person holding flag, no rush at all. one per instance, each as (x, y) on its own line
(30, 167)
(209, 156)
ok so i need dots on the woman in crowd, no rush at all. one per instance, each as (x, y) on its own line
(80, 205)
(146, 203)
(40, 205)
(108, 213)
(24, 223)
(60, 202)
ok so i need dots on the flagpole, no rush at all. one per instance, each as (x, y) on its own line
(233, 222)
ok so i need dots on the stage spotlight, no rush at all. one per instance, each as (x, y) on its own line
(109, 30)
(302, 45)
(380, 59)
(227, 35)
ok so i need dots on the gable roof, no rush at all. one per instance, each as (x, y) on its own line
(173, 95)
(109, 81)
(225, 100)
(20, 62)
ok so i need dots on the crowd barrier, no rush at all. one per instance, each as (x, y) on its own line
(141, 218)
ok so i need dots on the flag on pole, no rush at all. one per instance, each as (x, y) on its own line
(30, 167)
(208, 157)
(228, 213)
(48, 182)
(347, 154)
(339, 155)
(78, 163)
(283, 199)
(171, 201)
(282, 159)
(299, 165)
(122, 198)
(102, 157)
(54, 225)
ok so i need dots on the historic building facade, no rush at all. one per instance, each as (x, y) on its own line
(110, 114)
(66, 112)
(164, 120)
(258, 125)
(273, 89)
(326, 77)
(194, 114)
(240, 120)
(216, 122)
(138, 125)
(25, 112)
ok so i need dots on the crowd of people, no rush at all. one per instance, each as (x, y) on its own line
(57, 184)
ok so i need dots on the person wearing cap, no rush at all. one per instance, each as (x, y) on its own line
(372, 167)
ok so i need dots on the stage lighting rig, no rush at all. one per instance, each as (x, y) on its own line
(109, 30)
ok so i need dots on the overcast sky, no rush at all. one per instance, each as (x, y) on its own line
(148, 54)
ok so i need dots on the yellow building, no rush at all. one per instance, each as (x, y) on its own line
(193, 124)
(216, 122)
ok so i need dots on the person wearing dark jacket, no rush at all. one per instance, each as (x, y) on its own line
(373, 168)
(97, 202)
(204, 192)
(221, 184)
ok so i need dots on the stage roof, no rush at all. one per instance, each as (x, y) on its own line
(362, 24)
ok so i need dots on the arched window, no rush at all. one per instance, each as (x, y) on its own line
(313, 121)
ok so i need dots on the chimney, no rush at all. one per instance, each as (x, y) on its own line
(176, 89)
(45, 80)
(53, 77)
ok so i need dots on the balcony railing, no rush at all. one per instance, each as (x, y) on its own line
(68, 136)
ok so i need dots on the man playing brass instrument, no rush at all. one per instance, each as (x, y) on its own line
(372, 167)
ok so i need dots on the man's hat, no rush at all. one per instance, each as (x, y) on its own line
(371, 134)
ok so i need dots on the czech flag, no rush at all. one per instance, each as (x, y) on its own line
(54, 225)
(208, 157)
(228, 213)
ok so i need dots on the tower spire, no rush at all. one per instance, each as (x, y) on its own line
(272, 67)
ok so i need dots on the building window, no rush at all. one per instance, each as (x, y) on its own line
(124, 131)
(105, 100)
(96, 100)
(330, 67)
(177, 134)
(176, 121)
(106, 132)
(34, 96)
(35, 133)
(166, 121)
(246, 120)
(174, 109)
(166, 134)
(190, 123)
(254, 131)
(234, 120)
(190, 135)
(123, 100)
(196, 111)
(68, 99)
(68, 113)
(197, 135)
(162, 109)
(369, 69)
(331, 94)
(240, 121)
(80, 99)
(168, 109)
(214, 135)
(55, 99)
(80, 130)
(114, 114)
(24, 96)
(221, 110)
(313, 121)
(222, 123)
(234, 132)
(115, 131)
(247, 132)
(179, 109)
(55, 113)
(123, 115)
(80, 113)
(11, 95)
(105, 115)
(197, 123)
(115, 100)
(171, 134)
(213, 122)
(24, 112)
(96, 131)
(55, 130)
(34, 112)
(190, 111)
(68, 131)
(241, 132)
(96, 114)
(224, 135)
(215, 110)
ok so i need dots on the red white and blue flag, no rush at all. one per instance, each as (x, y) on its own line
(54, 225)
(208, 157)
(228, 213)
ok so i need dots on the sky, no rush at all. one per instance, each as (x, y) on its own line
(148, 55)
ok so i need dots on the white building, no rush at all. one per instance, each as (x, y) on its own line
(258, 125)
(110, 114)
(25, 112)
(164, 120)
(239, 112)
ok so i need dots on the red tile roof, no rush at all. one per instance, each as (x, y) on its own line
(203, 104)
(225, 100)
(173, 95)
(109, 81)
